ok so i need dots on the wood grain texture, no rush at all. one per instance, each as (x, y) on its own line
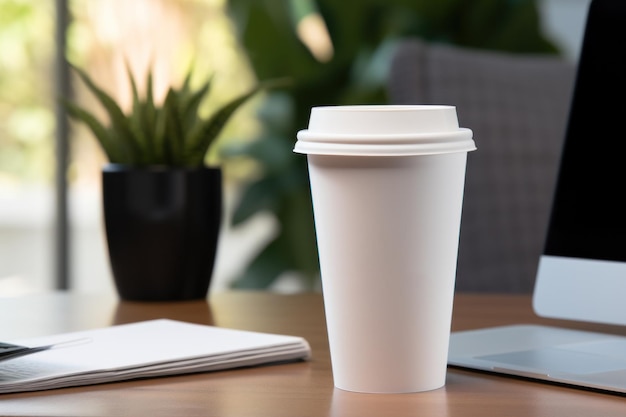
(293, 389)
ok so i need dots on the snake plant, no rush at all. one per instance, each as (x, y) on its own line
(150, 134)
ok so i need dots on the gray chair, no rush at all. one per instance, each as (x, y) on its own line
(517, 106)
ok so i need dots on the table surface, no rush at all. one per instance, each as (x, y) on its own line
(293, 389)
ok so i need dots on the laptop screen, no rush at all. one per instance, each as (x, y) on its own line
(582, 272)
(589, 208)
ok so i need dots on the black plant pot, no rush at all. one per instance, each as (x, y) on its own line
(162, 228)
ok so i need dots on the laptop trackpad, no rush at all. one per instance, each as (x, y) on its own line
(578, 358)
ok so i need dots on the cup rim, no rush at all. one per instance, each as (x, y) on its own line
(383, 139)
(384, 107)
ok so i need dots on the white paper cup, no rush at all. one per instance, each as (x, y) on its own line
(387, 188)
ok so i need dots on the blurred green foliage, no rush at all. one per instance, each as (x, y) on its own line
(363, 34)
(26, 90)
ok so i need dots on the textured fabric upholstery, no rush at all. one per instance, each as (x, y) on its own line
(517, 106)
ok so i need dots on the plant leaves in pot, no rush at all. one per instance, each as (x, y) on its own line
(162, 205)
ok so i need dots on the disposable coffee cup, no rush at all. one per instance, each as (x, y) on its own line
(387, 188)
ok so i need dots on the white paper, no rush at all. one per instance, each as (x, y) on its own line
(144, 349)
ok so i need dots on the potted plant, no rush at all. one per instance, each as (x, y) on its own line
(162, 204)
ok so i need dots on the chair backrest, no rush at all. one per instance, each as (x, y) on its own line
(517, 106)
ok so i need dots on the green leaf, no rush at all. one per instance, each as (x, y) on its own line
(114, 150)
(119, 122)
(186, 88)
(174, 131)
(190, 104)
(155, 142)
(160, 138)
(204, 134)
(137, 122)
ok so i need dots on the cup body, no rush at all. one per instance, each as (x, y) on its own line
(387, 228)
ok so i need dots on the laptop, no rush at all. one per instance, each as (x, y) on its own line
(582, 270)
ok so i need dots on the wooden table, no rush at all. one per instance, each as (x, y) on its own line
(295, 389)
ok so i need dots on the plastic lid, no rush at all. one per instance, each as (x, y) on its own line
(385, 130)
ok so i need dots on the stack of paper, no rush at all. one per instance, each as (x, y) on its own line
(139, 350)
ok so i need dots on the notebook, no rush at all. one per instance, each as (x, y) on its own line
(146, 349)
(582, 270)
